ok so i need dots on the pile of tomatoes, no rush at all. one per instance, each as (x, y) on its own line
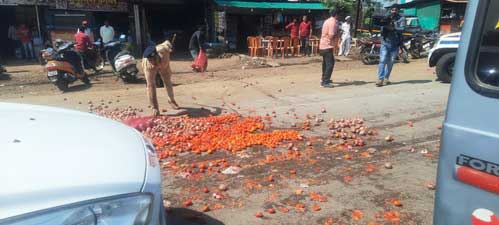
(230, 132)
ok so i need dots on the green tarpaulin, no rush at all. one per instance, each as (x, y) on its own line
(272, 5)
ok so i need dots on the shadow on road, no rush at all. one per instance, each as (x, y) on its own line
(203, 111)
(5, 76)
(19, 71)
(412, 82)
(80, 87)
(350, 83)
(183, 216)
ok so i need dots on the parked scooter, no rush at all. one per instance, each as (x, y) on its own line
(122, 61)
(62, 67)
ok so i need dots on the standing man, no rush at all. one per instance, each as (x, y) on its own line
(106, 32)
(197, 41)
(305, 33)
(24, 35)
(85, 29)
(294, 28)
(326, 48)
(11, 34)
(391, 33)
(82, 46)
(346, 38)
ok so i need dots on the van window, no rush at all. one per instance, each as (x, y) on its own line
(485, 78)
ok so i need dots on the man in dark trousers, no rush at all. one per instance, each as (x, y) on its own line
(197, 41)
(305, 33)
(326, 48)
(391, 32)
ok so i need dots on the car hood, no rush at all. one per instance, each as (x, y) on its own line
(451, 36)
(51, 157)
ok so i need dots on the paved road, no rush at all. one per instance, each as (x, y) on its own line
(414, 96)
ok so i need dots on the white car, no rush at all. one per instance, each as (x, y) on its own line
(64, 167)
(443, 55)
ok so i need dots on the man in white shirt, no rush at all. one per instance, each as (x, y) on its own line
(346, 38)
(106, 32)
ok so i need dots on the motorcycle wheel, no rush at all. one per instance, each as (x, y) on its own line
(99, 65)
(86, 81)
(415, 53)
(62, 85)
(404, 57)
(129, 78)
(366, 59)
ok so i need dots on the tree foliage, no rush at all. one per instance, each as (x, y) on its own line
(341, 6)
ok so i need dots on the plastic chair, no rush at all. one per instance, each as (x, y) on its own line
(273, 46)
(267, 45)
(314, 44)
(258, 47)
(251, 45)
(284, 45)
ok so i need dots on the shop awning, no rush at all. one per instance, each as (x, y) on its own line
(272, 5)
(417, 2)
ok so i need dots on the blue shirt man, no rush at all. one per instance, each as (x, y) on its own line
(392, 39)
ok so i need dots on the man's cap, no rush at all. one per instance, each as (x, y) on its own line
(84, 22)
(348, 17)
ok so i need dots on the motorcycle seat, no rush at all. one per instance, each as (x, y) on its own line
(121, 54)
(111, 44)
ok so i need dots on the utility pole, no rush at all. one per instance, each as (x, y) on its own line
(358, 11)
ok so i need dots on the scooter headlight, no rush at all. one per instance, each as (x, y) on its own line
(133, 209)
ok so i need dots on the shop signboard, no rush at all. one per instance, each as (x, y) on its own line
(27, 2)
(93, 5)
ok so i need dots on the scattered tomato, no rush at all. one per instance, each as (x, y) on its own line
(357, 215)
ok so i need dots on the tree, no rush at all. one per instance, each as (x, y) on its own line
(341, 6)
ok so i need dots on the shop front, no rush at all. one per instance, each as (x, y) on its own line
(236, 20)
(63, 18)
(13, 14)
(444, 15)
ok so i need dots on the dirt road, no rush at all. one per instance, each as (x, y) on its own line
(410, 110)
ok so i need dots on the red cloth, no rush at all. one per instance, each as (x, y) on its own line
(294, 27)
(23, 35)
(201, 62)
(82, 41)
(140, 123)
(305, 28)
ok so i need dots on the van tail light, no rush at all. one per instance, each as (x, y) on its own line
(478, 173)
(484, 217)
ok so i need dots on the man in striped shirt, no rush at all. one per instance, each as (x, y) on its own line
(326, 48)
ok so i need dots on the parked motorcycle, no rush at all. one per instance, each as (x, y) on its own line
(370, 49)
(122, 62)
(61, 67)
(421, 43)
(2, 69)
